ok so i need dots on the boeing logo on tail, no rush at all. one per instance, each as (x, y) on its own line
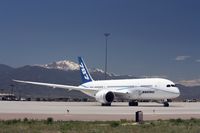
(84, 71)
(85, 75)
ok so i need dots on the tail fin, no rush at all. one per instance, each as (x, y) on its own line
(85, 75)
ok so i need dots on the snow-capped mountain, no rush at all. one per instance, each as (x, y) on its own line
(62, 65)
(97, 70)
(67, 65)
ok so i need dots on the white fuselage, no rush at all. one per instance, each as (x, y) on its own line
(148, 88)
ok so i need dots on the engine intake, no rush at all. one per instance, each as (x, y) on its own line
(105, 96)
(109, 97)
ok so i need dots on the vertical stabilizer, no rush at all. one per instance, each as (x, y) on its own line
(85, 75)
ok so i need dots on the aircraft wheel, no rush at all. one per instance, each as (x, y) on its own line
(133, 103)
(166, 104)
(106, 104)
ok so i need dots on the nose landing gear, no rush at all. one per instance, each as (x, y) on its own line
(166, 104)
(133, 103)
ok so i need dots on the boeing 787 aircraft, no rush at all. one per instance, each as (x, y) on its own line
(106, 91)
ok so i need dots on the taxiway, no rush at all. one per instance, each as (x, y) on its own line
(92, 111)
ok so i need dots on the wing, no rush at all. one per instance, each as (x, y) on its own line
(68, 87)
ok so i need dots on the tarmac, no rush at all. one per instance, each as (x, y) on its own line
(93, 111)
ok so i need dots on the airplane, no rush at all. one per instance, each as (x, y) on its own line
(107, 91)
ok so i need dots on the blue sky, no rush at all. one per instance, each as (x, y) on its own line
(148, 38)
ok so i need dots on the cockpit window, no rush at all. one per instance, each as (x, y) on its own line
(173, 85)
(168, 85)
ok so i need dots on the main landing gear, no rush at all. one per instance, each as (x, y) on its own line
(133, 103)
(106, 104)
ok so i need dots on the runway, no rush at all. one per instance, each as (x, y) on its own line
(92, 111)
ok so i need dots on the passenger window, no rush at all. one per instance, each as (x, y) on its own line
(168, 85)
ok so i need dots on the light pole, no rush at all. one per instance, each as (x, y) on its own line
(12, 89)
(106, 38)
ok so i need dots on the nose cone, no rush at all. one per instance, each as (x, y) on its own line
(176, 91)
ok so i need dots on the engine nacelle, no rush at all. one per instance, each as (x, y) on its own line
(105, 96)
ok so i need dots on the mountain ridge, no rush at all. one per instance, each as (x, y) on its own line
(58, 76)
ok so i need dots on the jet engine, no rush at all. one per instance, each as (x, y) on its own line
(104, 96)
